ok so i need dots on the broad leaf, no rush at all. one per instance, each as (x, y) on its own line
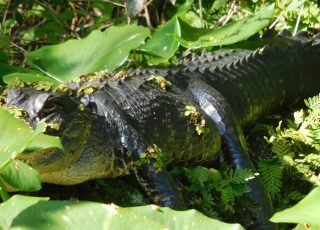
(28, 77)
(307, 211)
(99, 51)
(21, 176)
(184, 7)
(90, 215)
(230, 33)
(162, 45)
(11, 148)
(294, 4)
(218, 4)
(11, 211)
(7, 69)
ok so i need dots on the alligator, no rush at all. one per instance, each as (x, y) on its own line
(190, 111)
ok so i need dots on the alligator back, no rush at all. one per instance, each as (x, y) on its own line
(141, 108)
(280, 71)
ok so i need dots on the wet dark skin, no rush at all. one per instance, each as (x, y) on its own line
(228, 90)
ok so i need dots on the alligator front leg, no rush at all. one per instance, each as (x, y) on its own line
(158, 184)
(214, 105)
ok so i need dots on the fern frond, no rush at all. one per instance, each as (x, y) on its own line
(239, 176)
(298, 117)
(281, 147)
(271, 174)
(227, 197)
(313, 102)
(313, 159)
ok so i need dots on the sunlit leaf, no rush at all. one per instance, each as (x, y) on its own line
(22, 212)
(307, 211)
(184, 7)
(10, 147)
(99, 51)
(230, 33)
(28, 77)
(294, 4)
(12, 211)
(162, 45)
(7, 69)
(21, 176)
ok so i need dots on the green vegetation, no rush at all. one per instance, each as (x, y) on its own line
(196, 119)
(152, 154)
(40, 46)
(84, 215)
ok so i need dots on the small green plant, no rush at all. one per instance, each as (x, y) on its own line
(153, 154)
(40, 85)
(213, 190)
(197, 120)
(164, 84)
(298, 145)
(271, 172)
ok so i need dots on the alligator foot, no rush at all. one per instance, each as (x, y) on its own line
(159, 185)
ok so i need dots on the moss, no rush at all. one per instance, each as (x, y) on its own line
(164, 84)
(197, 120)
(120, 75)
(154, 155)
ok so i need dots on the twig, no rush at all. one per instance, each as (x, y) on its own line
(115, 3)
(224, 19)
(128, 18)
(201, 13)
(298, 20)
(5, 13)
(147, 16)
(230, 13)
(276, 21)
(54, 14)
(19, 47)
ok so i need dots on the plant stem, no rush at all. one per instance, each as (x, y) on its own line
(3, 193)
(201, 13)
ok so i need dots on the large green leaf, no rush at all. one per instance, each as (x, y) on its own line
(8, 73)
(28, 77)
(21, 176)
(99, 51)
(23, 213)
(162, 45)
(185, 7)
(7, 69)
(16, 136)
(307, 211)
(230, 33)
(11, 211)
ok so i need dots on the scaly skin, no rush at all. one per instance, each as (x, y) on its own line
(229, 89)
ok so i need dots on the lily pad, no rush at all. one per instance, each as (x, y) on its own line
(230, 33)
(99, 51)
(90, 215)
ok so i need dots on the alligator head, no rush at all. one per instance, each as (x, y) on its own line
(65, 120)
